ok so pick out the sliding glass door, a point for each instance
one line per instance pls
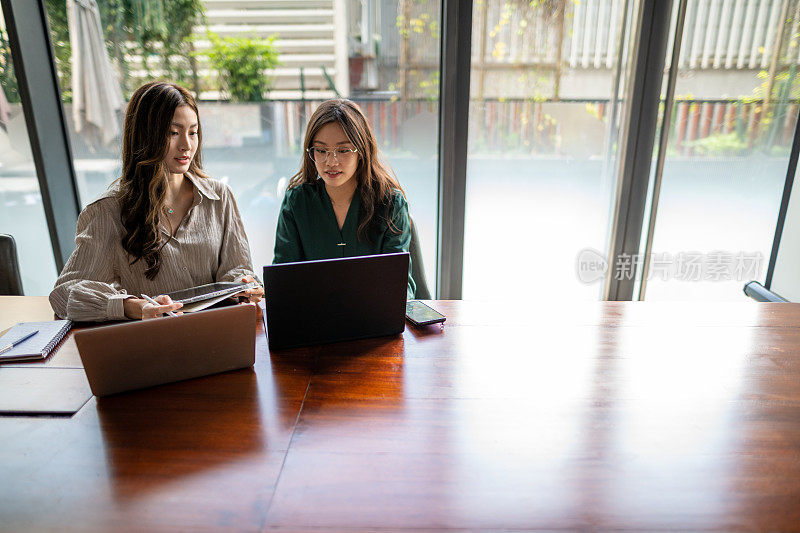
(546, 123)
(545, 112)
(730, 133)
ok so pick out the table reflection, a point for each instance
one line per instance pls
(212, 421)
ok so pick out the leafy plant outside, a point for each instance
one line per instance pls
(242, 64)
(720, 144)
(62, 51)
(156, 31)
(8, 80)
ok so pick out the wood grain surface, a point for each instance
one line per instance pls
(633, 416)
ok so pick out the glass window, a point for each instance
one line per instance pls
(21, 209)
(730, 135)
(260, 69)
(544, 117)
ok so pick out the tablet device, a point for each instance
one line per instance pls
(210, 290)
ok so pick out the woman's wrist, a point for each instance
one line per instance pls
(133, 308)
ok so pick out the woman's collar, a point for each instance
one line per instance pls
(203, 186)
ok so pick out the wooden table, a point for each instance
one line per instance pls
(636, 416)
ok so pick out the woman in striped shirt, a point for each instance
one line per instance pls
(163, 226)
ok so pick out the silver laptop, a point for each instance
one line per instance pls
(134, 355)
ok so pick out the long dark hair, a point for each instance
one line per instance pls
(375, 177)
(143, 184)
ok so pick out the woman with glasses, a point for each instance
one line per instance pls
(163, 226)
(344, 201)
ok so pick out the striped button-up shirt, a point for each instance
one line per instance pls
(209, 245)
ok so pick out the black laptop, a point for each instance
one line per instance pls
(332, 300)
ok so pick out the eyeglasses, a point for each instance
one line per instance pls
(340, 155)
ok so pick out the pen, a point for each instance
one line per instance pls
(146, 297)
(25, 337)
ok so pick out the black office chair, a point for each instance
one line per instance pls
(417, 268)
(10, 281)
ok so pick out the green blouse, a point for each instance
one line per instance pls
(307, 228)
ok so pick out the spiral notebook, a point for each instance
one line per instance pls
(37, 347)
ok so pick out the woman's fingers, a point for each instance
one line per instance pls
(166, 305)
(252, 295)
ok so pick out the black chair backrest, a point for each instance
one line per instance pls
(417, 268)
(10, 281)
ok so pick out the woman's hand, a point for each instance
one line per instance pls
(136, 308)
(251, 295)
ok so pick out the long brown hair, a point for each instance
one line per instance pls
(376, 179)
(143, 184)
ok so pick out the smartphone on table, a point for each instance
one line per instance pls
(420, 314)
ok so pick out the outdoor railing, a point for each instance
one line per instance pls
(522, 127)
(722, 127)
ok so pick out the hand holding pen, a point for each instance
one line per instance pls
(158, 308)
